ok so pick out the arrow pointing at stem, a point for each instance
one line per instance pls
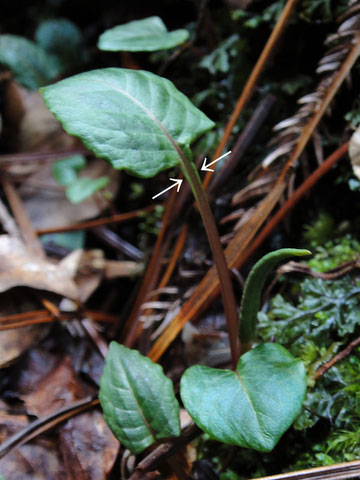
(205, 168)
(177, 184)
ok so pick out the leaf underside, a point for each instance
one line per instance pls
(147, 35)
(137, 399)
(251, 407)
(134, 119)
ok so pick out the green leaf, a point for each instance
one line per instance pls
(65, 170)
(64, 39)
(137, 399)
(134, 119)
(255, 282)
(68, 240)
(82, 188)
(30, 65)
(147, 35)
(251, 407)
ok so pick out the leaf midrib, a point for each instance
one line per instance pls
(131, 390)
(149, 114)
(250, 403)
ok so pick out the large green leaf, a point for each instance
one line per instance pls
(145, 35)
(255, 282)
(134, 119)
(137, 399)
(251, 407)
(30, 65)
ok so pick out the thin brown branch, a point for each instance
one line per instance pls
(132, 325)
(45, 423)
(31, 157)
(35, 317)
(338, 471)
(118, 218)
(27, 230)
(337, 358)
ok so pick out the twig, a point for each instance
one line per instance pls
(151, 275)
(338, 471)
(292, 201)
(337, 358)
(253, 79)
(27, 230)
(8, 222)
(247, 135)
(118, 218)
(21, 320)
(44, 424)
(164, 451)
(31, 157)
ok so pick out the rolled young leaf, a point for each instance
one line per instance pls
(251, 407)
(134, 119)
(147, 35)
(137, 399)
(254, 284)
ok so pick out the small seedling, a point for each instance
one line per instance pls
(141, 123)
(255, 404)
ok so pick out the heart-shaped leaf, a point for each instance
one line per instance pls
(147, 35)
(251, 407)
(137, 399)
(134, 119)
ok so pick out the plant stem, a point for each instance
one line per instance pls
(227, 292)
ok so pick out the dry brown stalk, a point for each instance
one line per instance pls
(339, 471)
(117, 218)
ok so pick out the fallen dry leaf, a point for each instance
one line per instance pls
(14, 343)
(46, 204)
(89, 448)
(19, 267)
(56, 389)
(38, 460)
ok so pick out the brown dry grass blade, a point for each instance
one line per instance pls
(209, 286)
(253, 79)
(151, 276)
(338, 471)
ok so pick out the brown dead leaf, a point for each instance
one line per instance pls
(36, 365)
(56, 389)
(37, 129)
(46, 204)
(38, 460)
(14, 343)
(89, 448)
(19, 267)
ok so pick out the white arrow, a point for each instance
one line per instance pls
(205, 168)
(177, 184)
